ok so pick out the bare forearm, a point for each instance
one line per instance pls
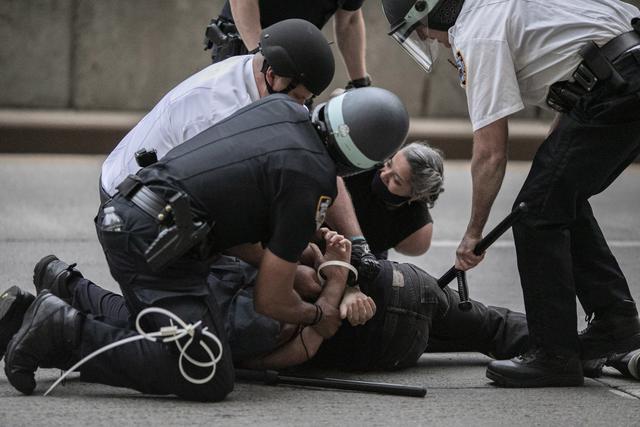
(488, 166)
(351, 37)
(246, 16)
(334, 287)
(300, 349)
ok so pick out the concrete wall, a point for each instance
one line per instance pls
(124, 55)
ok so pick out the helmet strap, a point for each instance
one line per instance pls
(291, 86)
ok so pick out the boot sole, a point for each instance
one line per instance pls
(22, 379)
(40, 268)
(544, 381)
(13, 302)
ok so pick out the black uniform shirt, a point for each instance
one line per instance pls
(382, 226)
(318, 12)
(263, 175)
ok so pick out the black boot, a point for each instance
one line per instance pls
(48, 337)
(14, 303)
(52, 274)
(537, 368)
(627, 363)
(612, 332)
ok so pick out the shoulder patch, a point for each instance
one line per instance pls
(321, 210)
(462, 69)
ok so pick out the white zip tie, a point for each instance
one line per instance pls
(336, 263)
(171, 334)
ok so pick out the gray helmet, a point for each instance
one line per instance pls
(405, 16)
(361, 128)
(297, 49)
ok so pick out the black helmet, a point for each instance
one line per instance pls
(297, 49)
(405, 16)
(362, 128)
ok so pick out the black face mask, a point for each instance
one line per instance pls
(379, 189)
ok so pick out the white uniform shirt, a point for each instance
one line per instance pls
(509, 52)
(194, 105)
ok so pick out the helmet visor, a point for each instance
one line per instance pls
(412, 33)
(421, 48)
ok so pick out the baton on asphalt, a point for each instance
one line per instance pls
(270, 377)
(488, 240)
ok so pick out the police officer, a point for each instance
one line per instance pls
(581, 58)
(293, 57)
(237, 29)
(161, 229)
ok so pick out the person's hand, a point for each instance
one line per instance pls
(356, 307)
(465, 258)
(362, 259)
(309, 256)
(306, 283)
(330, 322)
(337, 247)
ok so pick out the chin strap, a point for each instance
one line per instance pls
(171, 333)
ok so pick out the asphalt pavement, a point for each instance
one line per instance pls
(47, 205)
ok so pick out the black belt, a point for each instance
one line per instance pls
(598, 66)
(144, 198)
(619, 45)
(598, 62)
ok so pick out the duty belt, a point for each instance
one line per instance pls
(597, 66)
(178, 230)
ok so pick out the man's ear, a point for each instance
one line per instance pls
(270, 75)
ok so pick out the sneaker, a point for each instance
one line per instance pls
(536, 368)
(14, 302)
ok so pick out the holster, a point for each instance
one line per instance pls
(597, 67)
(179, 232)
(176, 239)
(223, 38)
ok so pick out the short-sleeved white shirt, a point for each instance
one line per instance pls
(509, 52)
(194, 105)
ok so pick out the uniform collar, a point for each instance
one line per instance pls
(249, 78)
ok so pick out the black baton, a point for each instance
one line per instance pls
(270, 377)
(488, 240)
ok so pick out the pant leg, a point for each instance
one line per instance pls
(600, 283)
(181, 287)
(152, 367)
(104, 305)
(585, 153)
(495, 331)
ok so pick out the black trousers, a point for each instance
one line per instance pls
(150, 367)
(414, 315)
(561, 250)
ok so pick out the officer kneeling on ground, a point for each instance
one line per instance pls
(160, 231)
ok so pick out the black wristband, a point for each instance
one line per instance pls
(361, 82)
(318, 316)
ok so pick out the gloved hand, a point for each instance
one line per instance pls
(362, 259)
(361, 82)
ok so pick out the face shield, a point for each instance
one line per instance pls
(412, 32)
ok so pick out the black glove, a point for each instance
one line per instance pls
(362, 82)
(363, 260)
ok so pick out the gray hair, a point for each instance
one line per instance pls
(427, 171)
